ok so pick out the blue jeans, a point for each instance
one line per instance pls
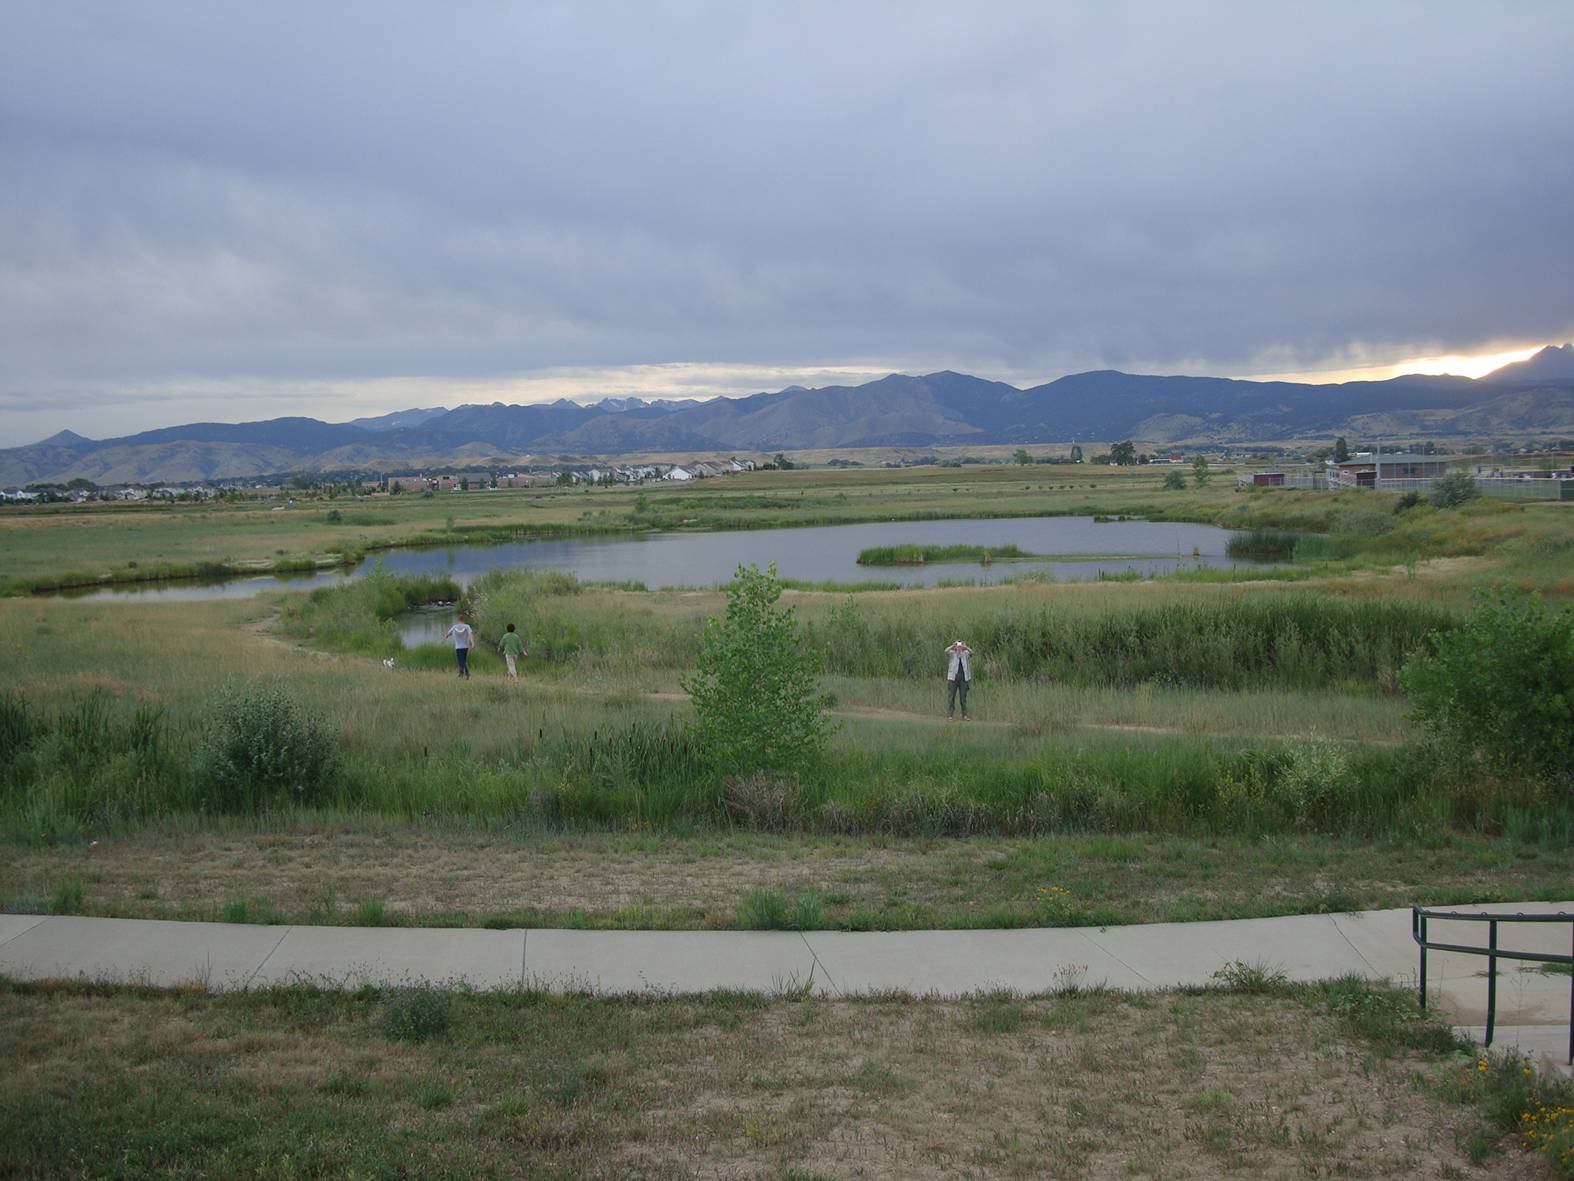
(462, 655)
(952, 690)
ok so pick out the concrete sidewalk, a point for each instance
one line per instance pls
(1533, 1007)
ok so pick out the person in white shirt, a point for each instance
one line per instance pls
(958, 677)
(463, 637)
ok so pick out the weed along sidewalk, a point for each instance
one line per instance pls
(1533, 1006)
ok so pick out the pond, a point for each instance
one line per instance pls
(825, 553)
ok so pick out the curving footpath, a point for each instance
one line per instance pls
(1533, 1006)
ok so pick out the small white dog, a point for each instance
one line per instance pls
(388, 663)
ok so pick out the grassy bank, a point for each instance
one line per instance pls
(292, 1082)
(327, 868)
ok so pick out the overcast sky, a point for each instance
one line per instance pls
(232, 211)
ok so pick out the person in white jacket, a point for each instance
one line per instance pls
(463, 637)
(958, 677)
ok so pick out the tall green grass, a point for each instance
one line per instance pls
(88, 760)
(548, 609)
(918, 555)
(1281, 640)
(1263, 545)
(1285, 640)
(92, 764)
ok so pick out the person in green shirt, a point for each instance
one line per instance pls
(512, 648)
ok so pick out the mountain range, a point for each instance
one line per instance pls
(1532, 397)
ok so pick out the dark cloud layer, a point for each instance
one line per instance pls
(353, 191)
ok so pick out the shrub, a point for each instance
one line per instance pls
(1174, 481)
(762, 910)
(1314, 776)
(1453, 490)
(1500, 688)
(1254, 978)
(763, 800)
(766, 910)
(259, 748)
(1408, 501)
(756, 692)
(69, 898)
(417, 1014)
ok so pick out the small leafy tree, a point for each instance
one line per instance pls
(1341, 450)
(756, 692)
(1021, 455)
(1499, 689)
(1124, 453)
(1453, 490)
(1200, 475)
(1174, 481)
(1076, 454)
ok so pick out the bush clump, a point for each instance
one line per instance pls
(763, 801)
(417, 1014)
(1453, 490)
(259, 749)
(1499, 690)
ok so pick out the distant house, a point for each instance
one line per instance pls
(678, 473)
(1369, 470)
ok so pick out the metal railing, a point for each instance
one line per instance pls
(1418, 920)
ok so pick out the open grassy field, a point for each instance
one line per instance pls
(1168, 748)
(1262, 1081)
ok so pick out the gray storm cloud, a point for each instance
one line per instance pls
(362, 191)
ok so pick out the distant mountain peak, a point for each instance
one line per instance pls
(1555, 362)
(65, 439)
(616, 405)
(398, 420)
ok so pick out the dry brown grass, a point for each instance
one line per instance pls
(1085, 1086)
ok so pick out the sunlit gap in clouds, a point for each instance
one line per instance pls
(1458, 364)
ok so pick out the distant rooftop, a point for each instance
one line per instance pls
(1400, 457)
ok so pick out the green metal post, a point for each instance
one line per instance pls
(1491, 978)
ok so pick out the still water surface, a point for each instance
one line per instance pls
(827, 553)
